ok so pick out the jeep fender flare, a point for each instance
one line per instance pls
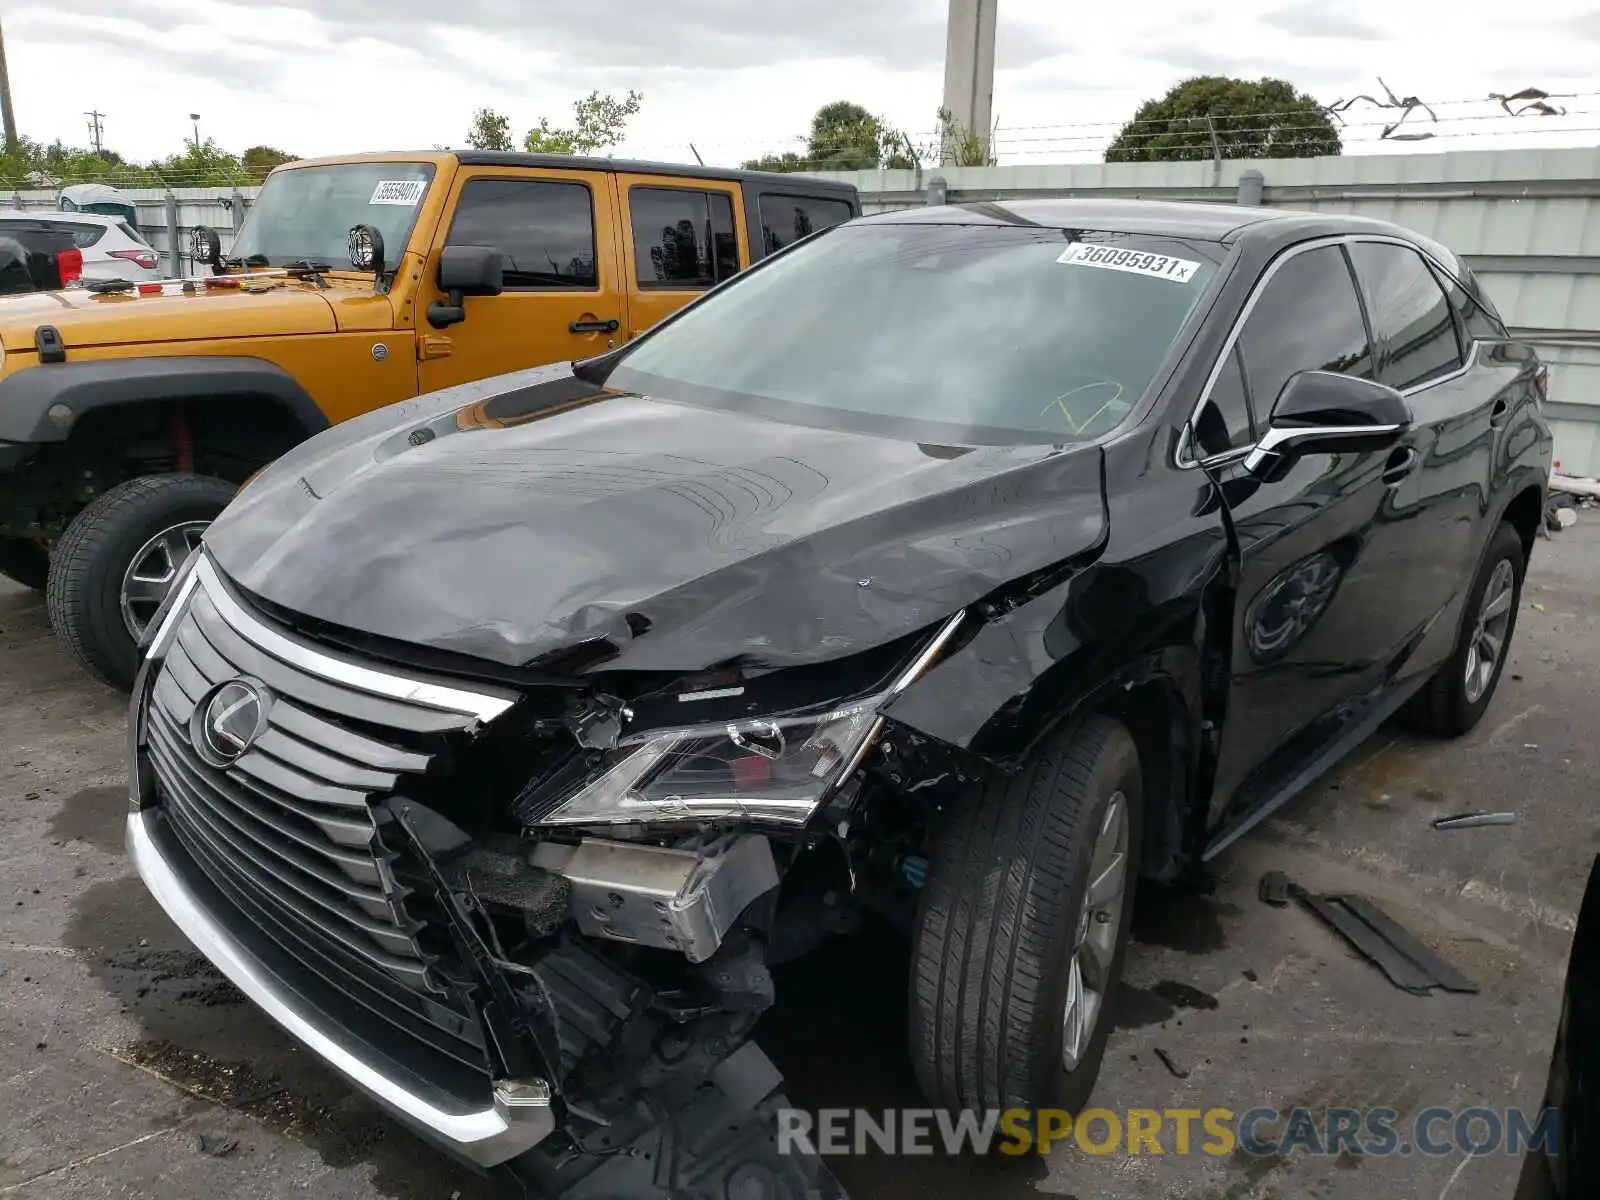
(28, 399)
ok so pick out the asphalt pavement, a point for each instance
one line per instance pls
(128, 1068)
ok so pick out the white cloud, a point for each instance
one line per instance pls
(329, 76)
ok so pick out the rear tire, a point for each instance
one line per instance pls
(1449, 705)
(24, 561)
(1003, 922)
(89, 571)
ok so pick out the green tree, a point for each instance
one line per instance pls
(785, 162)
(845, 137)
(598, 124)
(259, 160)
(490, 131)
(1262, 118)
(205, 165)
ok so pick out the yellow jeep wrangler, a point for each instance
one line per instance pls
(130, 413)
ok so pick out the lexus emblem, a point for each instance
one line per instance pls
(229, 722)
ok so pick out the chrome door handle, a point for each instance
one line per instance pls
(1400, 464)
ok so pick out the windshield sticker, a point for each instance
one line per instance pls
(405, 192)
(1157, 266)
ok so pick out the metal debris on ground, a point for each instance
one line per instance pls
(218, 1147)
(1384, 942)
(1171, 1063)
(1474, 820)
(1274, 889)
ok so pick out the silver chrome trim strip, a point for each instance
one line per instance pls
(486, 1137)
(180, 602)
(1267, 447)
(1182, 458)
(483, 705)
(929, 652)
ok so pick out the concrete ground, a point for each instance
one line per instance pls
(129, 1069)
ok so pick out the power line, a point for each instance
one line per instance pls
(96, 131)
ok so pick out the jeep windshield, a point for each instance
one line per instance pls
(936, 332)
(305, 214)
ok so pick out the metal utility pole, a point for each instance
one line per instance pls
(195, 117)
(969, 67)
(6, 114)
(96, 131)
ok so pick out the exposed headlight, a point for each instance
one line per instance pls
(774, 769)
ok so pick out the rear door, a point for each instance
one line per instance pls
(563, 296)
(680, 237)
(1438, 493)
(1318, 611)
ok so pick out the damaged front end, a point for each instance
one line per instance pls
(534, 922)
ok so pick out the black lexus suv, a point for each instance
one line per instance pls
(971, 564)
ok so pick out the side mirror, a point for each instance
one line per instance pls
(465, 271)
(1325, 412)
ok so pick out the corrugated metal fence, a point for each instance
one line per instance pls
(1528, 221)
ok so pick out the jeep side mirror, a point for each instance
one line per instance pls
(1325, 412)
(465, 271)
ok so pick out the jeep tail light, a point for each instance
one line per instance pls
(140, 258)
(69, 266)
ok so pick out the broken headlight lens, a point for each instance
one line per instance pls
(777, 769)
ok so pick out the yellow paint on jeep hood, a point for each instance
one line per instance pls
(285, 307)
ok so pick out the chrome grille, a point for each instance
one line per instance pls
(286, 832)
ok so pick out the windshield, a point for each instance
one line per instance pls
(305, 214)
(962, 333)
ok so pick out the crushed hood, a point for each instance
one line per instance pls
(283, 308)
(528, 514)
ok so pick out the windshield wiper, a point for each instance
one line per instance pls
(303, 269)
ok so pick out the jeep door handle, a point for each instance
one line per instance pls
(610, 326)
(1400, 464)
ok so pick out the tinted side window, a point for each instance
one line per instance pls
(83, 236)
(1410, 316)
(1306, 318)
(1475, 315)
(544, 230)
(1224, 423)
(682, 238)
(786, 219)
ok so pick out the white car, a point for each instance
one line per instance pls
(112, 249)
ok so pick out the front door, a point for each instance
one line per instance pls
(1322, 601)
(562, 296)
(681, 237)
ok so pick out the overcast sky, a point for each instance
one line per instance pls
(736, 78)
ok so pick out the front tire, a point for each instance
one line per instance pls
(116, 562)
(1024, 925)
(1455, 698)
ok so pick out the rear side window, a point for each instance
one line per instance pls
(83, 236)
(128, 231)
(543, 229)
(1474, 312)
(1306, 318)
(786, 219)
(682, 238)
(1411, 319)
